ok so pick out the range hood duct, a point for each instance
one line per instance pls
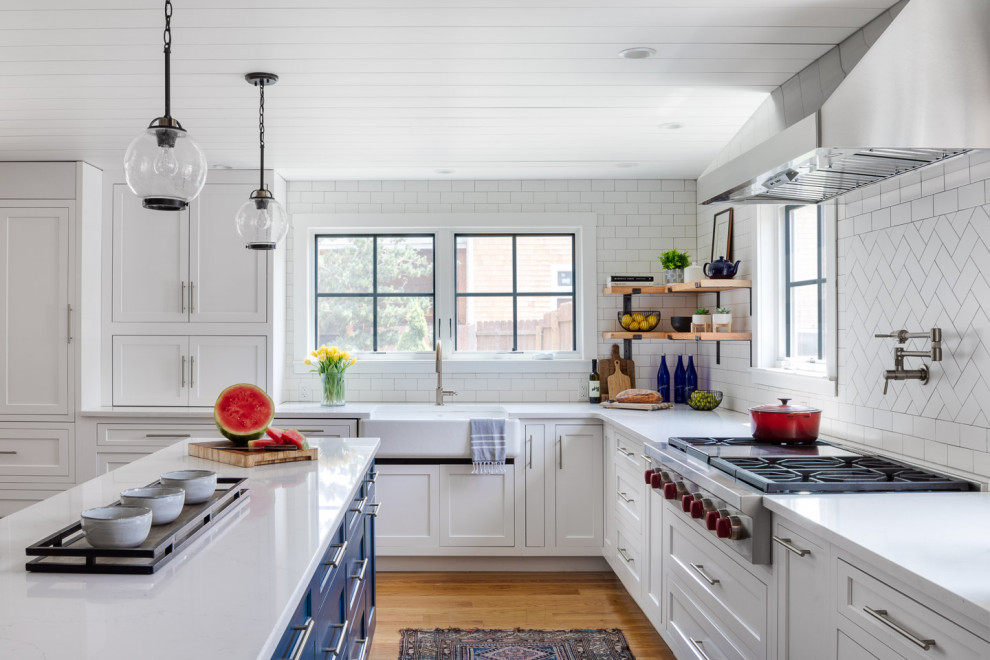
(921, 94)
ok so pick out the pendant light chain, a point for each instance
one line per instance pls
(261, 135)
(168, 58)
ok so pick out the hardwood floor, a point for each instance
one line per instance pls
(510, 600)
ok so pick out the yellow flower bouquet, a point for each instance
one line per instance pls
(331, 363)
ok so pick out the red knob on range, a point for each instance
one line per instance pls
(670, 490)
(656, 480)
(649, 476)
(697, 509)
(686, 503)
(723, 528)
(711, 518)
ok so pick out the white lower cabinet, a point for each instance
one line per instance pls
(476, 509)
(34, 453)
(690, 633)
(536, 496)
(336, 428)
(171, 370)
(652, 602)
(410, 511)
(576, 454)
(801, 570)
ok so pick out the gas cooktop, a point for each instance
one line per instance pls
(818, 467)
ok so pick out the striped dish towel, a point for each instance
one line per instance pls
(488, 446)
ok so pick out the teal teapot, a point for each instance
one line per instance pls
(722, 269)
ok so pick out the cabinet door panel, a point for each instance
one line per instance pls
(150, 371)
(150, 261)
(579, 485)
(32, 452)
(34, 289)
(535, 484)
(411, 516)
(228, 280)
(219, 361)
(802, 595)
(476, 509)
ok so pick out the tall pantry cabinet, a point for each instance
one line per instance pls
(43, 210)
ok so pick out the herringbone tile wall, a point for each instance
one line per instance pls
(912, 253)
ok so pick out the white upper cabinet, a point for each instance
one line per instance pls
(185, 266)
(34, 311)
(227, 280)
(216, 362)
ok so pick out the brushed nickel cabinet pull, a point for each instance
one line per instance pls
(68, 324)
(530, 452)
(699, 568)
(310, 430)
(787, 544)
(192, 369)
(339, 646)
(299, 646)
(646, 458)
(364, 649)
(360, 574)
(881, 616)
(182, 371)
(192, 298)
(167, 435)
(622, 450)
(8, 452)
(625, 498)
(622, 553)
(360, 505)
(372, 478)
(699, 645)
(560, 439)
(377, 511)
(338, 556)
(182, 299)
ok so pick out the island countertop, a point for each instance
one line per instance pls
(229, 594)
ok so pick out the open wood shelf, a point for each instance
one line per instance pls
(701, 286)
(681, 336)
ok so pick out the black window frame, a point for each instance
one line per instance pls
(818, 282)
(374, 295)
(515, 293)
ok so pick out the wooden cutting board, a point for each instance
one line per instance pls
(606, 368)
(637, 406)
(618, 381)
(224, 451)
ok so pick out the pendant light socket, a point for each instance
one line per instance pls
(258, 78)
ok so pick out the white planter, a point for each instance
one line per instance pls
(701, 319)
(721, 320)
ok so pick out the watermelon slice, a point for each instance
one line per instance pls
(261, 443)
(275, 434)
(295, 437)
(243, 412)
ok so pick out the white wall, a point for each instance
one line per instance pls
(637, 220)
(912, 253)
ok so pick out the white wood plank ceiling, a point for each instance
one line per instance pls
(403, 88)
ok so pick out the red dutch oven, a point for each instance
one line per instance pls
(785, 424)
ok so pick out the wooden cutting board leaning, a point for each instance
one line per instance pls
(606, 368)
(618, 381)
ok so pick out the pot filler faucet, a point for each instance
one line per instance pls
(899, 372)
(441, 393)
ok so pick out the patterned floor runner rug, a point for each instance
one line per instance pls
(457, 644)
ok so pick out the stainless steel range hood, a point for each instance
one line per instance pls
(920, 94)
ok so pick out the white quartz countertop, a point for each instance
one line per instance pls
(229, 595)
(939, 543)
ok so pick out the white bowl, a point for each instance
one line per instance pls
(198, 484)
(116, 526)
(165, 503)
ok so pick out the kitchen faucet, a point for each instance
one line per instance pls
(899, 372)
(441, 393)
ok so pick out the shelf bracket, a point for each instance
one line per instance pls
(627, 309)
(718, 352)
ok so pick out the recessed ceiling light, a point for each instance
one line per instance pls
(637, 53)
(444, 171)
(627, 164)
(671, 126)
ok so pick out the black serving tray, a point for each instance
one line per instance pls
(67, 551)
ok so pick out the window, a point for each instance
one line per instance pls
(804, 285)
(375, 292)
(514, 292)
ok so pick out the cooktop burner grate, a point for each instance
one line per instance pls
(847, 475)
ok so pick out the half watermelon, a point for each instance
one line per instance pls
(243, 412)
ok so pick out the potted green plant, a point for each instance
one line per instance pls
(722, 317)
(701, 318)
(674, 262)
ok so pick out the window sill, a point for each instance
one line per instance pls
(461, 366)
(786, 379)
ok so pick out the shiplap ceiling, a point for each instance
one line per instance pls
(402, 88)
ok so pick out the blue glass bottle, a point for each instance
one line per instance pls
(690, 379)
(663, 379)
(679, 377)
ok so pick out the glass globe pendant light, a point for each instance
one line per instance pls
(261, 221)
(163, 165)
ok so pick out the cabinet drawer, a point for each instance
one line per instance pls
(628, 500)
(34, 453)
(297, 639)
(331, 567)
(151, 435)
(338, 428)
(695, 633)
(628, 455)
(902, 623)
(730, 594)
(629, 559)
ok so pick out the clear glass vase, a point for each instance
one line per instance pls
(333, 388)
